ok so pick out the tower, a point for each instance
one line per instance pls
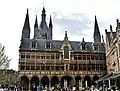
(43, 31)
(26, 27)
(96, 36)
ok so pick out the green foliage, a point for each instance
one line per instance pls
(3, 77)
(4, 61)
(4, 64)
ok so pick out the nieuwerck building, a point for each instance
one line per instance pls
(44, 61)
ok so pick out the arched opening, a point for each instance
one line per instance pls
(78, 81)
(34, 82)
(87, 81)
(94, 79)
(45, 81)
(54, 81)
(24, 83)
(68, 80)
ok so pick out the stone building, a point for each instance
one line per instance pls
(44, 61)
(113, 52)
(113, 49)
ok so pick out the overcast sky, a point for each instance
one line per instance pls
(75, 16)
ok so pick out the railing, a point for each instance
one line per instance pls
(62, 72)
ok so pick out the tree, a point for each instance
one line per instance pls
(4, 61)
(4, 65)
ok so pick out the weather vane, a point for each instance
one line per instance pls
(43, 2)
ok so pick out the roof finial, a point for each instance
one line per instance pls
(103, 39)
(111, 28)
(117, 21)
(65, 33)
(83, 40)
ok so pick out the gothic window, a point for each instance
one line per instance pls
(66, 52)
(57, 56)
(75, 67)
(52, 56)
(84, 57)
(22, 55)
(47, 56)
(75, 57)
(47, 45)
(34, 44)
(28, 56)
(96, 48)
(88, 57)
(92, 57)
(71, 66)
(79, 57)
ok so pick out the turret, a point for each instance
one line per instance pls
(26, 27)
(43, 24)
(97, 36)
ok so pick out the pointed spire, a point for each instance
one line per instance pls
(26, 23)
(103, 39)
(96, 27)
(26, 27)
(50, 23)
(97, 36)
(36, 23)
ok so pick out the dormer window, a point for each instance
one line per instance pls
(48, 45)
(96, 48)
(34, 44)
(66, 52)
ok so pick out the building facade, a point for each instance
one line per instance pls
(113, 49)
(47, 62)
(113, 53)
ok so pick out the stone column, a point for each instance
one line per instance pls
(29, 85)
(39, 83)
(109, 83)
(59, 83)
(50, 83)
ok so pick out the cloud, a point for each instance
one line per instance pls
(76, 23)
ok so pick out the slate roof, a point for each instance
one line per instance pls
(56, 45)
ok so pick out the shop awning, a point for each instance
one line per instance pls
(104, 78)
